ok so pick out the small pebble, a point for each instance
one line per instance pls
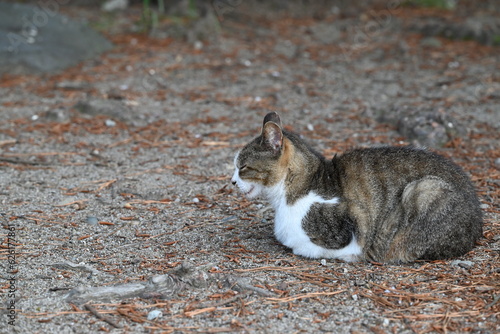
(198, 45)
(463, 264)
(229, 219)
(92, 220)
(110, 123)
(196, 200)
(114, 5)
(154, 314)
(431, 42)
(158, 279)
(79, 206)
(55, 114)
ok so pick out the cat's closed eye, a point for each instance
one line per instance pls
(249, 169)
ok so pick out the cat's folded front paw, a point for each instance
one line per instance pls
(310, 250)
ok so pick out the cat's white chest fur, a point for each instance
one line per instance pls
(288, 226)
(288, 221)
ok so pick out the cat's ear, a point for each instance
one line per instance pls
(272, 136)
(272, 117)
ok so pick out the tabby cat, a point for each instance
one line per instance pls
(384, 204)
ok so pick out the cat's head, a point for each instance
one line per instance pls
(262, 163)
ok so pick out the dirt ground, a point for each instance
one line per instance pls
(115, 195)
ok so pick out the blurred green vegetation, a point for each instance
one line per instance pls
(441, 4)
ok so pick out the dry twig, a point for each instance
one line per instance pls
(101, 316)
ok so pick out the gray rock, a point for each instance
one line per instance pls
(114, 5)
(286, 48)
(481, 28)
(154, 314)
(67, 265)
(73, 85)
(56, 115)
(429, 128)
(112, 108)
(92, 220)
(423, 130)
(327, 33)
(202, 26)
(431, 42)
(110, 123)
(37, 39)
(392, 89)
(463, 264)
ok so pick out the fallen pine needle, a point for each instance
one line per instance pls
(7, 142)
(215, 143)
(103, 317)
(41, 220)
(105, 185)
(39, 154)
(273, 268)
(121, 142)
(80, 204)
(139, 201)
(106, 223)
(302, 296)
(438, 315)
(200, 311)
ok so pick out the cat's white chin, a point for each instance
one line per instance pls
(254, 191)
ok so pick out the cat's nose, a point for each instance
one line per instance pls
(233, 182)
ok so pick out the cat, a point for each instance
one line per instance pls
(383, 204)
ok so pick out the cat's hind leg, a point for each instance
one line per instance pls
(421, 195)
(440, 222)
(437, 221)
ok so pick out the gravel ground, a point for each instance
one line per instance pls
(117, 171)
